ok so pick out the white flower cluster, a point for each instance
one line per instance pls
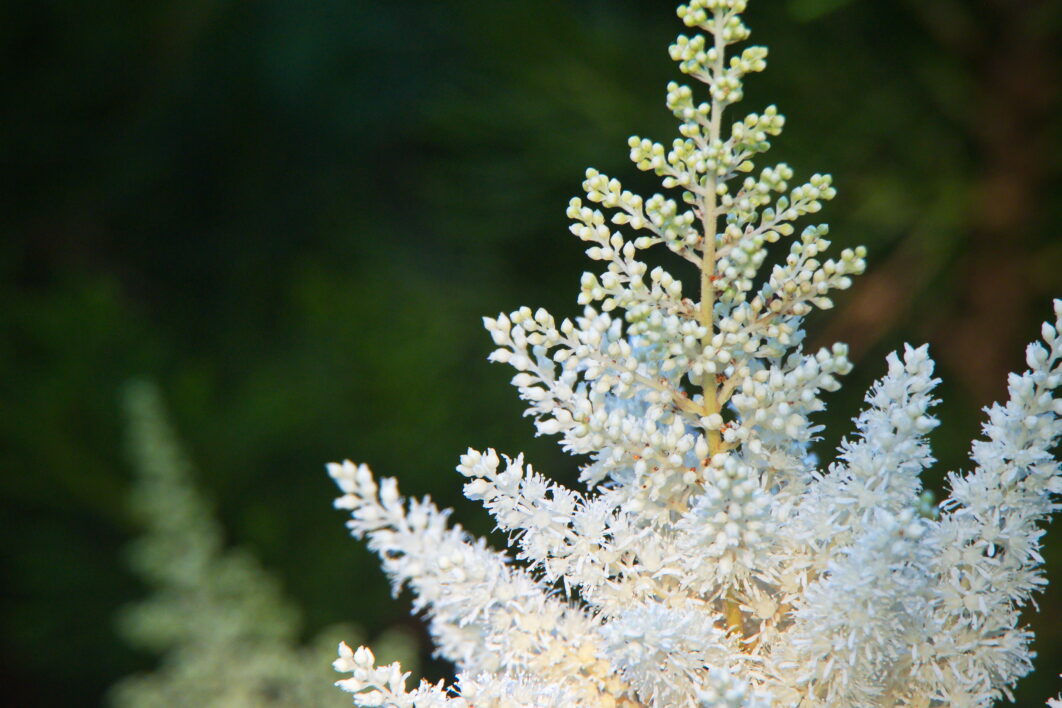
(710, 562)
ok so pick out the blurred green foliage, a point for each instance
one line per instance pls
(226, 634)
(292, 214)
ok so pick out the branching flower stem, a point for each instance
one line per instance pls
(709, 222)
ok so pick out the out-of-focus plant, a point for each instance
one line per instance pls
(227, 635)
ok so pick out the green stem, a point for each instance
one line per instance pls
(709, 224)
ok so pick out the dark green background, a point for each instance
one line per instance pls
(292, 213)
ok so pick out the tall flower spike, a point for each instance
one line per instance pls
(710, 562)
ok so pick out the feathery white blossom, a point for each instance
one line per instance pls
(710, 561)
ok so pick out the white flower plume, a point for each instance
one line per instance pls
(709, 561)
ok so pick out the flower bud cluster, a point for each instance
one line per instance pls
(742, 208)
(776, 402)
(657, 215)
(729, 524)
(701, 162)
(720, 18)
(749, 137)
(727, 86)
(691, 164)
(694, 117)
(804, 281)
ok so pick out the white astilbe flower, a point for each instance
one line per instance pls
(877, 471)
(724, 690)
(854, 625)
(582, 542)
(555, 527)
(722, 538)
(989, 539)
(386, 685)
(486, 616)
(711, 561)
(663, 652)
